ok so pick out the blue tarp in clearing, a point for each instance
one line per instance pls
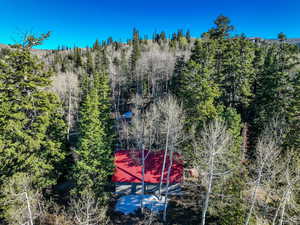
(127, 115)
(130, 203)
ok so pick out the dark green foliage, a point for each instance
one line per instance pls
(104, 60)
(89, 64)
(110, 41)
(173, 41)
(222, 29)
(274, 85)
(188, 36)
(96, 45)
(160, 38)
(199, 93)
(293, 136)
(94, 161)
(63, 65)
(100, 62)
(78, 58)
(234, 125)
(136, 51)
(30, 40)
(105, 106)
(94, 150)
(198, 87)
(235, 73)
(179, 34)
(163, 36)
(198, 90)
(281, 36)
(32, 130)
(233, 207)
(177, 77)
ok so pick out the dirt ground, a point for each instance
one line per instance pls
(182, 210)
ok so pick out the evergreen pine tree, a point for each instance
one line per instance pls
(235, 73)
(32, 130)
(198, 90)
(78, 58)
(200, 93)
(293, 136)
(89, 64)
(94, 162)
(163, 36)
(281, 37)
(176, 81)
(105, 107)
(274, 86)
(188, 36)
(222, 28)
(136, 52)
(104, 60)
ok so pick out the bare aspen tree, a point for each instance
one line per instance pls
(172, 128)
(145, 130)
(213, 155)
(157, 67)
(117, 80)
(162, 122)
(137, 131)
(72, 100)
(124, 134)
(87, 210)
(66, 85)
(141, 130)
(152, 131)
(267, 152)
(291, 178)
(23, 203)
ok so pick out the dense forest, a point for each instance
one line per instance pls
(230, 105)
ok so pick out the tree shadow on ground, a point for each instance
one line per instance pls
(184, 209)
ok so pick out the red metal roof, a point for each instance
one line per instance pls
(128, 167)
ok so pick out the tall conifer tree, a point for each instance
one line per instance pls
(94, 161)
(32, 130)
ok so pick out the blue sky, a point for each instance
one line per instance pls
(79, 22)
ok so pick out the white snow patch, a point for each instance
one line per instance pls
(130, 203)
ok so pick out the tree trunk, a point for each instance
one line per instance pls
(211, 170)
(283, 208)
(164, 162)
(69, 115)
(253, 197)
(281, 205)
(168, 183)
(276, 215)
(29, 209)
(143, 178)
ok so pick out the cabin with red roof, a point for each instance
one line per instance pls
(128, 172)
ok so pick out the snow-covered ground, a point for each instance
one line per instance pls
(129, 203)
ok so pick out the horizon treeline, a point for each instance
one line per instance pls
(229, 105)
